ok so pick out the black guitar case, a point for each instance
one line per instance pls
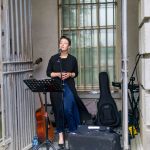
(107, 114)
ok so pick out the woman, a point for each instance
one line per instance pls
(64, 68)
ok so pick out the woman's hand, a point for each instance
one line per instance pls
(66, 75)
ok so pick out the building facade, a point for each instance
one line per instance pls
(30, 29)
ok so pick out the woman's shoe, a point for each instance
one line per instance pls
(61, 146)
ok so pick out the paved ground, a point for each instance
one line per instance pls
(53, 146)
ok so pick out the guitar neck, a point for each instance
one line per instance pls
(40, 99)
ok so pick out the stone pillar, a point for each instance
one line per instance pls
(144, 49)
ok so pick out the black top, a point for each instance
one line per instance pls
(69, 64)
(57, 64)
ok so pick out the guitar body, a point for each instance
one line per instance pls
(41, 124)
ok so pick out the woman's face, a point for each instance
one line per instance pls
(64, 45)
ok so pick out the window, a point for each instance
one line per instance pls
(91, 26)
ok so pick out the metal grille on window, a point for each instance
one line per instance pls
(91, 26)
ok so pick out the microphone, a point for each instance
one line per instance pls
(37, 61)
(59, 51)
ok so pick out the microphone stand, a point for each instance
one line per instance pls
(62, 102)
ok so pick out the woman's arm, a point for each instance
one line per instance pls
(75, 69)
(55, 74)
(49, 68)
(50, 72)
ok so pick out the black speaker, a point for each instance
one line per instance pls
(93, 138)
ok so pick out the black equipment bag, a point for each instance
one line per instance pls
(107, 112)
(94, 138)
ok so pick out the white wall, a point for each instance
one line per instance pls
(132, 34)
(44, 32)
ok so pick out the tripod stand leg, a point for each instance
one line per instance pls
(46, 145)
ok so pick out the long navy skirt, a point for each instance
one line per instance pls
(71, 113)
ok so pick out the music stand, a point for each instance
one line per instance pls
(45, 85)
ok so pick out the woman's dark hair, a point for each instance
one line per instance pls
(65, 37)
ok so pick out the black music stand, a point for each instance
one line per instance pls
(46, 85)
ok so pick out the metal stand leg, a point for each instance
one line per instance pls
(47, 142)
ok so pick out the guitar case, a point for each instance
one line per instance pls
(107, 112)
